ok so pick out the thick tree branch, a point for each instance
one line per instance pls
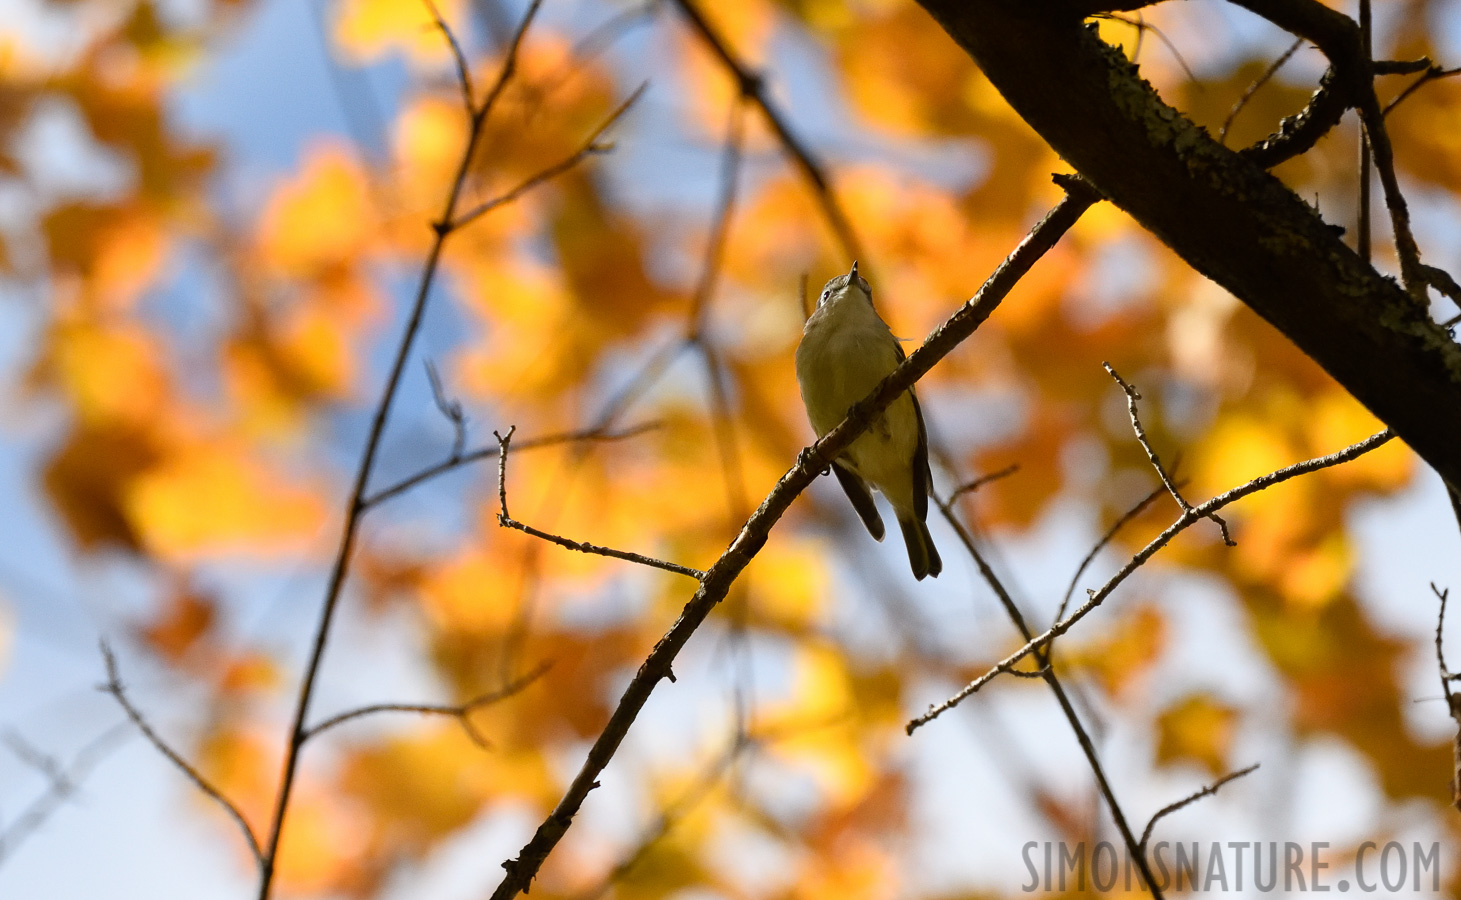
(1224, 215)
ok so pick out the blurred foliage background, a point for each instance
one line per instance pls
(213, 214)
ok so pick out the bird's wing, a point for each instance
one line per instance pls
(862, 500)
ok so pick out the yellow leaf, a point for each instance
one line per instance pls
(213, 498)
(1197, 729)
(369, 29)
(323, 218)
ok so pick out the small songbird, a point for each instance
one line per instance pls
(846, 349)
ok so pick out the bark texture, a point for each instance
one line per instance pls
(1222, 213)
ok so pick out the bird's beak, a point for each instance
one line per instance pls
(852, 276)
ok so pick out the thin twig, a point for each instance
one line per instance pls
(461, 711)
(981, 481)
(730, 174)
(1431, 74)
(719, 578)
(62, 783)
(1412, 276)
(1191, 799)
(115, 687)
(590, 147)
(1446, 676)
(1362, 240)
(1185, 521)
(1101, 545)
(464, 71)
(355, 508)
(1142, 25)
(673, 814)
(1263, 79)
(451, 410)
(1046, 671)
(597, 434)
(1133, 395)
(507, 521)
(752, 86)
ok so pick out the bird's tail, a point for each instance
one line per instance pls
(922, 554)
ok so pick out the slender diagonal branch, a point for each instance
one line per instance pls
(115, 687)
(1259, 82)
(1185, 521)
(1133, 395)
(589, 147)
(442, 228)
(1046, 672)
(753, 87)
(719, 578)
(1100, 545)
(63, 781)
(1191, 799)
(507, 521)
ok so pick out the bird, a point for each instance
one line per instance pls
(845, 350)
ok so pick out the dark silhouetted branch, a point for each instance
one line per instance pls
(507, 521)
(1133, 395)
(1187, 519)
(719, 578)
(753, 87)
(115, 687)
(462, 712)
(1191, 799)
(589, 147)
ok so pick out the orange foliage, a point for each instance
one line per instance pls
(219, 454)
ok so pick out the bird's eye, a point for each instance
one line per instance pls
(823, 299)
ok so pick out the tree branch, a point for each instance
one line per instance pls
(753, 87)
(115, 687)
(461, 711)
(718, 579)
(1191, 799)
(507, 521)
(1186, 520)
(1224, 215)
(1132, 395)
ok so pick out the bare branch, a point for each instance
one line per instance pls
(462, 712)
(730, 172)
(753, 87)
(62, 782)
(509, 67)
(1446, 676)
(1101, 544)
(719, 578)
(1263, 79)
(115, 687)
(981, 481)
(1133, 395)
(1045, 671)
(450, 408)
(1191, 799)
(597, 434)
(507, 521)
(464, 71)
(590, 147)
(355, 508)
(1187, 519)
(1299, 133)
(1431, 74)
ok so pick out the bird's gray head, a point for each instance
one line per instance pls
(840, 285)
